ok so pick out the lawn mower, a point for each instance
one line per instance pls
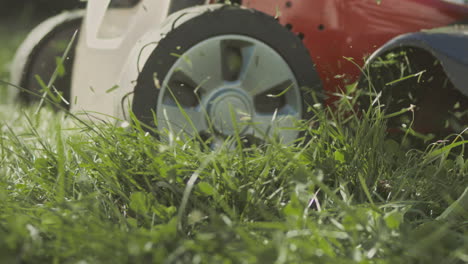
(252, 67)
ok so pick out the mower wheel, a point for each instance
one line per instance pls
(411, 81)
(223, 70)
(38, 54)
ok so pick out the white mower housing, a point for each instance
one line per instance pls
(106, 40)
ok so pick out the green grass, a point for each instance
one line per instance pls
(77, 193)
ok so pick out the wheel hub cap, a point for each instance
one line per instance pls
(228, 110)
(230, 84)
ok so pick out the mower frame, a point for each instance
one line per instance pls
(342, 37)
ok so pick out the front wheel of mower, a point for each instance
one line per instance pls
(223, 70)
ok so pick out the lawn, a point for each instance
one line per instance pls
(74, 192)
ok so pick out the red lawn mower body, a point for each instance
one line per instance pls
(340, 35)
(335, 29)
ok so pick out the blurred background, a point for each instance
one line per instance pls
(35, 9)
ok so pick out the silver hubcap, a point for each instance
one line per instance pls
(228, 109)
(230, 84)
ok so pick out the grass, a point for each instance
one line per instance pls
(78, 193)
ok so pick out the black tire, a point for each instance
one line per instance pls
(37, 56)
(437, 107)
(188, 27)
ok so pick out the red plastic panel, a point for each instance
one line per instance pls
(334, 29)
